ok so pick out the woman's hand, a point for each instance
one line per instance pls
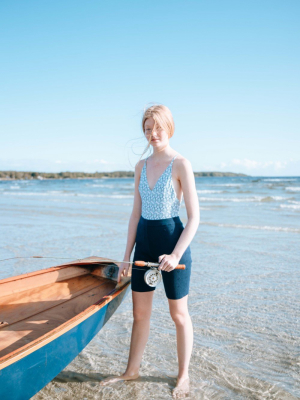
(123, 270)
(168, 262)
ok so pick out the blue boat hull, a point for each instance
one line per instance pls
(24, 378)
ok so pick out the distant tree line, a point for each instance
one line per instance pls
(17, 175)
(64, 175)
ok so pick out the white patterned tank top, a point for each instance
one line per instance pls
(161, 202)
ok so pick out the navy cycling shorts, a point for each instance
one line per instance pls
(153, 239)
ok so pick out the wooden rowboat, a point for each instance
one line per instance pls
(48, 316)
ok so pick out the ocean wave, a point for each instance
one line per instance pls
(100, 185)
(130, 195)
(107, 196)
(26, 193)
(112, 186)
(274, 198)
(227, 184)
(210, 191)
(262, 199)
(293, 189)
(257, 227)
(291, 206)
(278, 179)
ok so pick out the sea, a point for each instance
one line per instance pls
(244, 295)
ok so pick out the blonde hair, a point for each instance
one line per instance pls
(162, 117)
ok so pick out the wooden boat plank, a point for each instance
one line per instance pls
(31, 328)
(40, 278)
(16, 307)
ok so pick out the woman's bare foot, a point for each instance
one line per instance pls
(114, 379)
(182, 388)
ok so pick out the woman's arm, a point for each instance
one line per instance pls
(133, 221)
(188, 185)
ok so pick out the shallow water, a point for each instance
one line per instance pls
(243, 301)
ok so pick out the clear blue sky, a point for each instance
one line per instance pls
(76, 76)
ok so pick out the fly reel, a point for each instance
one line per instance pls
(153, 276)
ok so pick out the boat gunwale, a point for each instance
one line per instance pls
(84, 262)
(29, 348)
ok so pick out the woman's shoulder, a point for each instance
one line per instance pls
(139, 165)
(182, 165)
(180, 160)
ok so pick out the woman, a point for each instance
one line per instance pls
(158, 233)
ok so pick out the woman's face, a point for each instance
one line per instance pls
(156, 134)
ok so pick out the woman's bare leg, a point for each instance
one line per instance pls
(184, 332)
(142, 307)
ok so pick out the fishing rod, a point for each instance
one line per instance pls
(137, 263)
(152, 276)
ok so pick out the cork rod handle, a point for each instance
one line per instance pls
(144, 264)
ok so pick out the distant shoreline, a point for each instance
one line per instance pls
(20, 175)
